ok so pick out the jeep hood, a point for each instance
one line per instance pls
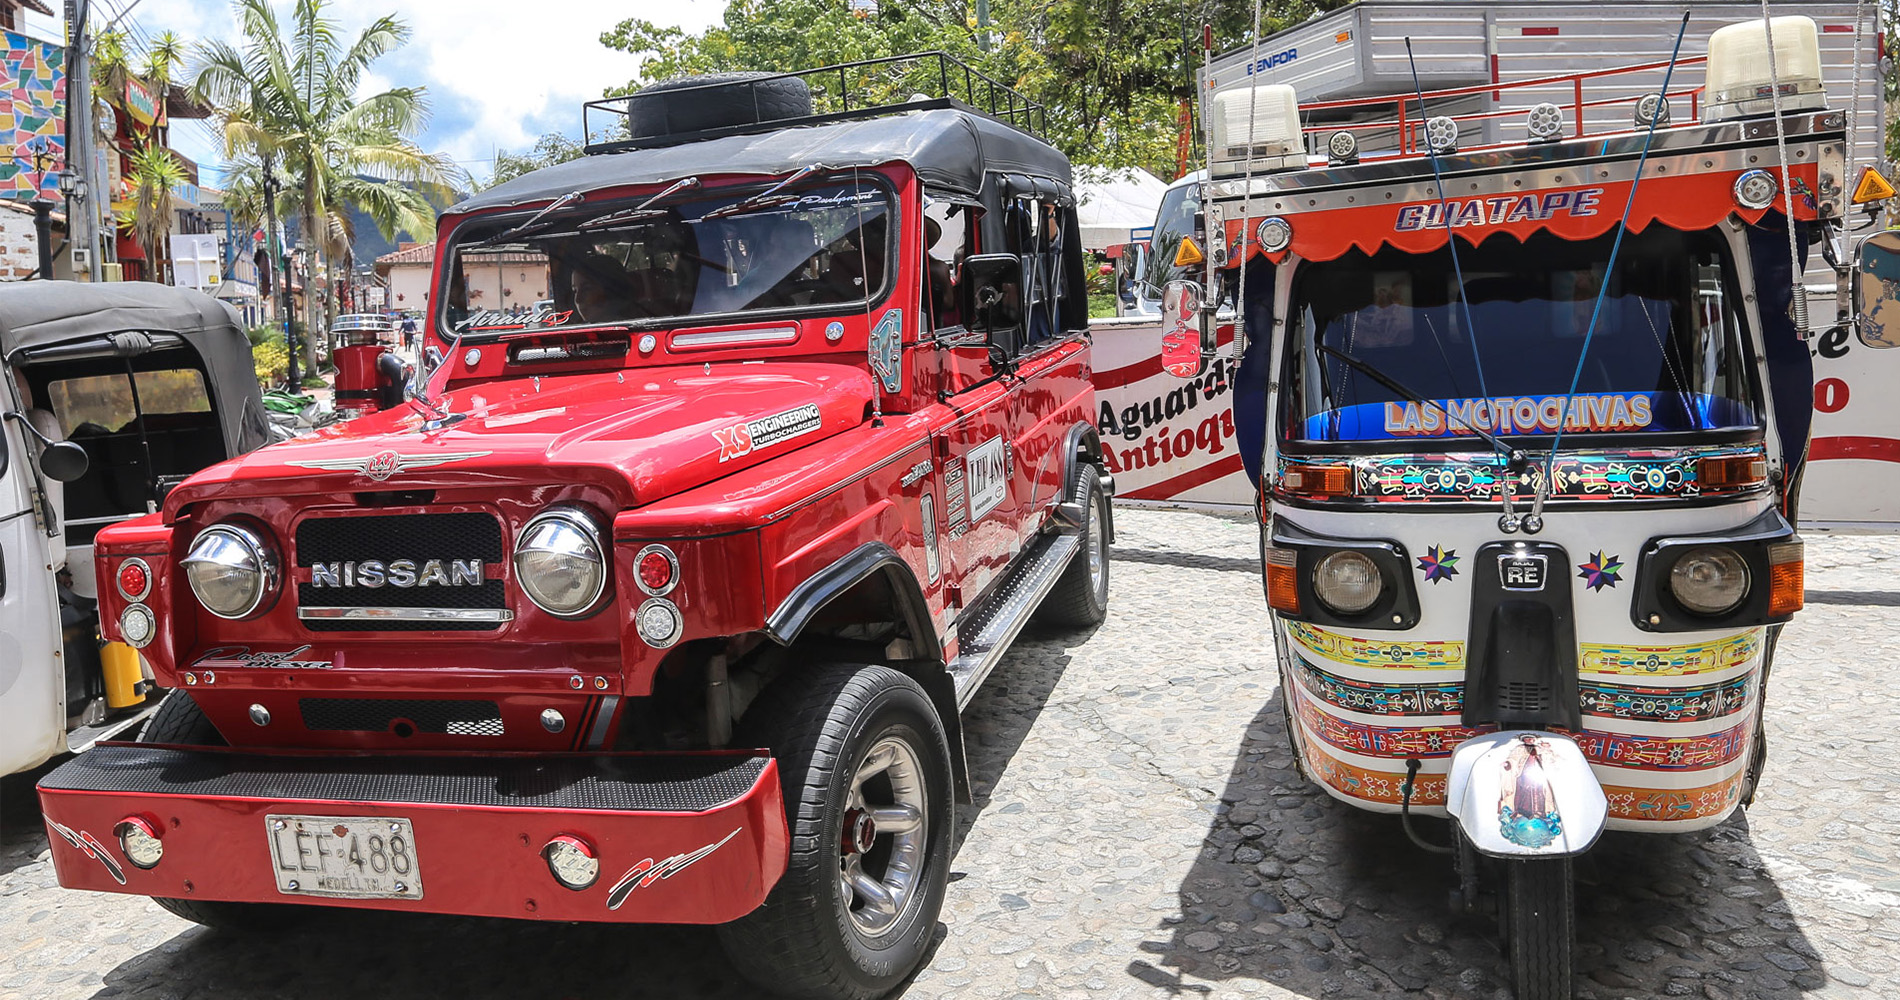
(642, 434)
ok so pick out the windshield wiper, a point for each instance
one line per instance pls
(764, 197)
(570, 198)
(1516, 457)
(644, 209)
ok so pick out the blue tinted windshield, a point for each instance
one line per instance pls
(1666, 355)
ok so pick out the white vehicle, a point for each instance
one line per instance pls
(110, 394)
(1171, 447)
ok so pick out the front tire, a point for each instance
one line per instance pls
(1540, 926)
(180, 721)
(1080, 596)
(865, 767)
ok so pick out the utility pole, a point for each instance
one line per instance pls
(983, 25)
(82, 220)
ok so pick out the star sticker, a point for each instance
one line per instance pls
(1601, 571)
(1439, 564)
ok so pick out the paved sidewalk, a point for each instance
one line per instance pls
(1139, 832)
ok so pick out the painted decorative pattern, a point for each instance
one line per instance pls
(1672, 661)
(1668, 473)
(1384, 654)
(1377, 698)
(1652, 804)
(1652, 704)
(1643, 753)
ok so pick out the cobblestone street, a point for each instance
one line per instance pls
(1139, 831)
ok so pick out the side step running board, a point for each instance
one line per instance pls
(984, 636)
(81, 740)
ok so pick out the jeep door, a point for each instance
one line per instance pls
(32, 684)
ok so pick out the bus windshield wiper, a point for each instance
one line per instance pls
(766, 196)
(570, 198)
(1514, 456)
(645, 208)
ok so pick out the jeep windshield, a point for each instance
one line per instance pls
(732, 253)
(1667, 355)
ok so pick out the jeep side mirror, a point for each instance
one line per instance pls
(60, 461)
(1874, 281)
(1187, 329)
(63, 461)
(993, 294)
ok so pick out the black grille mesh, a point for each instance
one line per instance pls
(644, 783)
(378, 715)
(387, 538)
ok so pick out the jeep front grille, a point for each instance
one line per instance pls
(401, 573)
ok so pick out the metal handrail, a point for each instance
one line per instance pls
(1408, 126)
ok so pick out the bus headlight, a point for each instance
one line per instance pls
(561, 563)
(232, 570)
(1347, 582)
(1710, 580)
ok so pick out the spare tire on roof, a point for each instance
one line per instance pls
(715, 100)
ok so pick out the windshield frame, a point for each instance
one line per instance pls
(1738, 305)
(592, 207)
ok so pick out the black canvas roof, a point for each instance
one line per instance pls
(956, 152)
(35, 315)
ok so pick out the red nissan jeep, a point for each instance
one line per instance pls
(661, 603)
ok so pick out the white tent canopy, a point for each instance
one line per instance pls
(1110, 203)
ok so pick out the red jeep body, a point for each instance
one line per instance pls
(801, 500)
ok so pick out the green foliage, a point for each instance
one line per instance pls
(270, 356)
(154, 174)
(550, 149)
(1112, 73)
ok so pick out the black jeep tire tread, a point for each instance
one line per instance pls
(1074, 602)
(179, 720)
(657, 111)
(817, 721)
(1540, 918)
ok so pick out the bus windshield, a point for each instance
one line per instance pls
(1667, 354)
(631, 263)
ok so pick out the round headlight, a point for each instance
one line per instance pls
(231, 570)
(138, 841)
(571, 862)
(1756, 189)
(1710, 580)
(561, 563)
(137, 626)
(1347, 582)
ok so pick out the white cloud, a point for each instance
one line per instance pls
(499, 72)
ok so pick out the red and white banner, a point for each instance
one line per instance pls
(1167, 440)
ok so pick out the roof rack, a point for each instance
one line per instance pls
(867, 88)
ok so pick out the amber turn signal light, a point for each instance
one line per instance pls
(1283, 581)
(1787, 578)
(1731, 472)
(1318, 480)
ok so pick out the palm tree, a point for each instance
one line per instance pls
(288, 99)
(155, 173)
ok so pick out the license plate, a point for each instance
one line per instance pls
(344, 857)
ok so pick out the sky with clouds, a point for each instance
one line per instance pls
(499, 73)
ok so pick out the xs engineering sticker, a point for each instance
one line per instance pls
(740, 440)
(1521, 415)
(989, 477)
(649, 871)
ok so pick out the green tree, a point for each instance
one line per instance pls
(287, 95)
(552, 148)
(1112, 73)
(153, 175)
